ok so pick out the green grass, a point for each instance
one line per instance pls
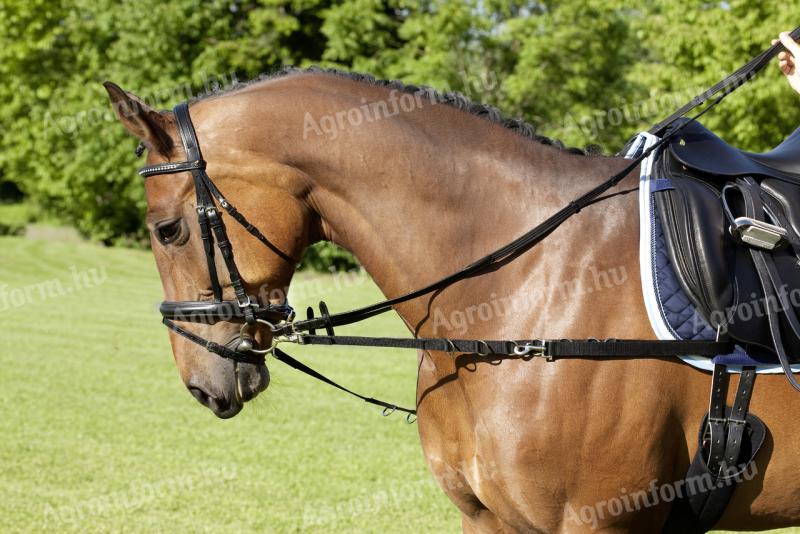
(98, 434)
(14, 217)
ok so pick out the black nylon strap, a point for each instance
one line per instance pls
(634, 348)
(303, 368)
(551, 349)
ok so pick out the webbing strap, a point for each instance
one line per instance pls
(550, 349)
(300, 366)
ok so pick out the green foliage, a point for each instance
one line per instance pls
(588, 72)
(756, 117)
(327, 257)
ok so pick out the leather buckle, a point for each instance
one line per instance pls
(758, 233)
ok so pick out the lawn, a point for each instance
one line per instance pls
(99, 434)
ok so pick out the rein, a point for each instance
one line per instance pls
(279, 318)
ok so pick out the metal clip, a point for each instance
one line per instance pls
(536, 350)
(247, 343)
(758, 233)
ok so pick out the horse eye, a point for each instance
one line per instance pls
(168, 232)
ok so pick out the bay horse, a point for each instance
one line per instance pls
(416, 185)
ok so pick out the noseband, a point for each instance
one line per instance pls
(212, 230)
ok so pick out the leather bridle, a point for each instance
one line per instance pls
(215, 236)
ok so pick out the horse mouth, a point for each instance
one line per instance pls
(242, 382)
(249, 380)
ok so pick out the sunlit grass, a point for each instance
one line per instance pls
(99, 434)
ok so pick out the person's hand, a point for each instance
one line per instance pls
(787, 60)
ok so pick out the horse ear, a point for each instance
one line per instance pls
(140, 119)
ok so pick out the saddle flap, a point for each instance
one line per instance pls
(785, 157)
(717, 273)
(693, 220)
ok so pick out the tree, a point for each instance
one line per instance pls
(691, 46)
(585, 71)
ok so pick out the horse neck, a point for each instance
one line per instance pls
(422, 194)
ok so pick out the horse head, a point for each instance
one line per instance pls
(258, 183)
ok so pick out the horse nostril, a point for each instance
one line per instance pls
(221, 407)
(200, 395)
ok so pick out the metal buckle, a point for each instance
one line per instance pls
(539, 350)
(758, 233)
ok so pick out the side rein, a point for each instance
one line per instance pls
(280, 318)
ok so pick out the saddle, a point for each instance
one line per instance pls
(731, 221)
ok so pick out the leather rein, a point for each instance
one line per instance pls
(279, 318)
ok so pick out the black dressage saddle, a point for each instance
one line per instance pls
(731, 220)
